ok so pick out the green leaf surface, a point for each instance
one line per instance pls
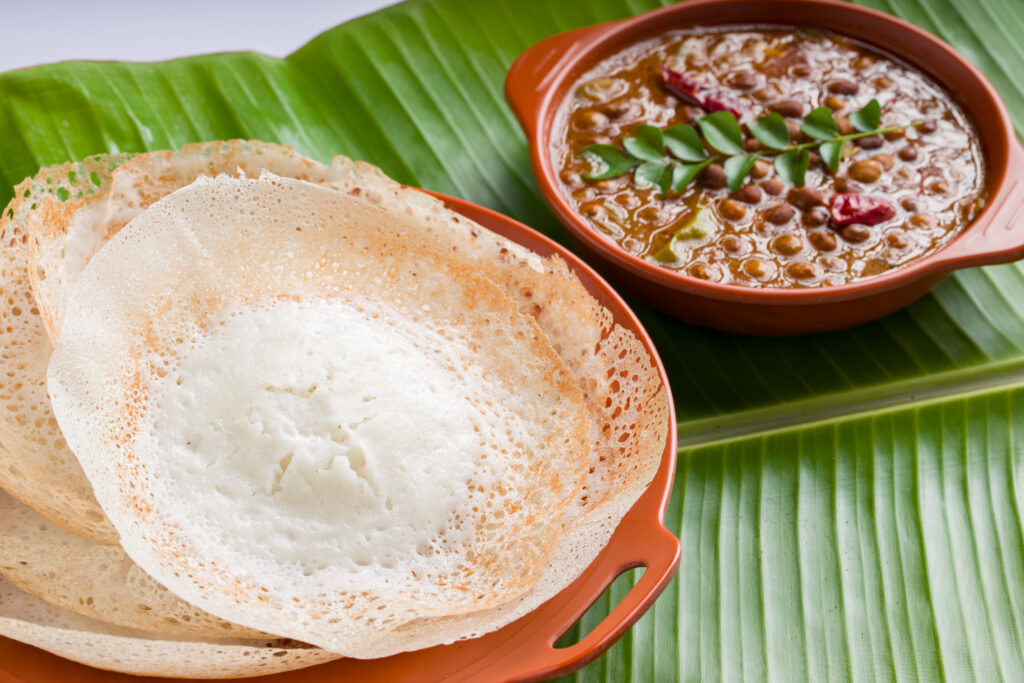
(684, 142)
(867, 119)
(736, 170)
(610, 161)
(792, 166)
(683, 174)
(849, 503)
(722, 131)
(656, 173)
(646, 143)
(771, 131)
(819, 124)
(832, 153)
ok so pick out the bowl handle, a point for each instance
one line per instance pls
(1001, 238)
(529, 80)
(657, 550)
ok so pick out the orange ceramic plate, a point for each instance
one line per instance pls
(524, 650)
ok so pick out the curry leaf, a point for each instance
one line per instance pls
(771, 131)
(867, 119)
(722, 131)
(646, 143)
(684, 142)
(832, 153)
(737, 168)
(612, 161)
(683, 174)
(820, 125)
(792, 166)
(657, 173)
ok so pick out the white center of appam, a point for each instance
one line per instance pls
(310, 432)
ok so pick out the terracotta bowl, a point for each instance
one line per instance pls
(524, 650)
(540, 80)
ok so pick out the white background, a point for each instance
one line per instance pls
(42, 31)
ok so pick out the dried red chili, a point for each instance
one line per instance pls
(852, 208)
(691, 90)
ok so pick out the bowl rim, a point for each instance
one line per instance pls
(524, 649)
(537, 84)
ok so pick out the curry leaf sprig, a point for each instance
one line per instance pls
(671, 158)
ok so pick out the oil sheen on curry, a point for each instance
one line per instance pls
(928, 177)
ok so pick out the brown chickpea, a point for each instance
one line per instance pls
(774, 186)
(780, 214)
(897, 239)
(801, 70)
(732, 210)
(886, 161)
(923, 220)
(790, 109)
(760, 169)
(843, 86)
(855, 233)
(894, 134)
(870, 142)
(787, 245)
(883, 82)
(805, 198)
(732, 244)
(741, 80)
(908, 153)
(592, 209)
(713, 177)
(758, 269)
(803, 271)
(813, 159)
(843, 125)
(938, 187)
(593, 120)
(616, 109)
(863, 62)
(748, 194)
(815, 217)
(822, 241)
(704, 271)
(867, 171)
(909, 204)
(794, 130)
(752, 145)
(835, 103)
(929, 126)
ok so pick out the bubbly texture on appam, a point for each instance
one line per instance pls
(96, 580)
(624, 395)
(627, 404)
(35, 463)
(319, 533)
(28, 619)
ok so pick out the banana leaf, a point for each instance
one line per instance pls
(849, 503)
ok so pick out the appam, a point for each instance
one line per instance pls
(30, 620)
(628, 406)
(626, 401)
(462, 441)
(96, 580)
(36, 466)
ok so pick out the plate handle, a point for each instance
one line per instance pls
(657, 550)
(1001, 238)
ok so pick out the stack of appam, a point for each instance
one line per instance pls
(263, 412)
